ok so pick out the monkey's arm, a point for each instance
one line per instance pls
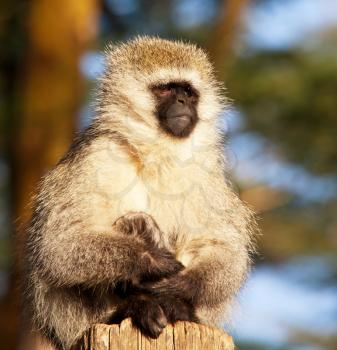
(70, 255)
(217, 260)
(212, 277)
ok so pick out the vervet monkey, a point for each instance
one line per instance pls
(138, 218)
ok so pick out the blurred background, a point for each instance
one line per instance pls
(278, 59)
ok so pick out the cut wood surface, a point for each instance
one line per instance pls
(183, 336)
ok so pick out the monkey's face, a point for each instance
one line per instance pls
(176, 108)
(156, 90)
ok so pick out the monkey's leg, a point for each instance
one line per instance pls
(66, 313)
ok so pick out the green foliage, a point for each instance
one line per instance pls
(291, 99)
(292, 231)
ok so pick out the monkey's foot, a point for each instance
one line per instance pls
(146, 315)
(177, 310)
(149, 317)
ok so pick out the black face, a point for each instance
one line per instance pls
(176, 108)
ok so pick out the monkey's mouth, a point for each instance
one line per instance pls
(180, 125)
(179, 122)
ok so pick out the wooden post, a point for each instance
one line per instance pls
(183, 336)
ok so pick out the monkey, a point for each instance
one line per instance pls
(139, 219)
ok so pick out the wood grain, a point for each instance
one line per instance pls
(182, 336)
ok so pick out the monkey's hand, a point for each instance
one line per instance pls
(156, 262)
(141, 225)
(145, 312)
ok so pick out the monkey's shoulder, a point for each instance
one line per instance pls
(85, 141)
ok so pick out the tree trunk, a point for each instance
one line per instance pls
(183, 336)
(46, 93)
(225, 32)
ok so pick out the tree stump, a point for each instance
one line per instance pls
(182, 336)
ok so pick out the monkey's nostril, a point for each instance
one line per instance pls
(180, 100)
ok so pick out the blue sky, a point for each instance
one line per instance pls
(248, 154)
(275, 24)
(273, 304)
(288, 22)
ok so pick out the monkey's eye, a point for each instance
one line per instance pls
(162, 90)
(188, 91)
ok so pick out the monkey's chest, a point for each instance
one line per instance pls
(175, 205)
(150, 198)
(170, 194)
(134, 197)
(170, 197)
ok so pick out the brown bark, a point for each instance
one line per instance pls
(48, 92)
(51, 90)
(183, 336)
(225, 32)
